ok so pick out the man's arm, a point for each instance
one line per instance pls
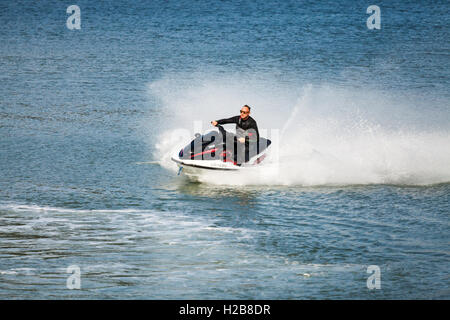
(228, 120)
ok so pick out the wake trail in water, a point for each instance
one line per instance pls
(328, 135)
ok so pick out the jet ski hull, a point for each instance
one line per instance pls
(209, 165)
(205, 154)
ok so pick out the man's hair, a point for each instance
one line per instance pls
(247, 107)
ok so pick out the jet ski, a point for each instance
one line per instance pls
(216, 150)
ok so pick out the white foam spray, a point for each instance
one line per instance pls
(329, 135)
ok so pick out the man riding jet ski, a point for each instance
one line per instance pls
(224, 150)
(246, 133)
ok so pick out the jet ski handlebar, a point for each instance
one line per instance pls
(221, 129)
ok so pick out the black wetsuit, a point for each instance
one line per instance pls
(247, 129)
(244, 128)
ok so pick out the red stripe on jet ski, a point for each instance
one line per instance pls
(225, 159)
(257, 161)
(201, 153)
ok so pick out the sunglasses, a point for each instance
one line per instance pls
(245, 112)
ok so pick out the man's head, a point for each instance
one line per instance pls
(245, 112)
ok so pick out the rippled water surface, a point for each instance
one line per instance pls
(89, 119)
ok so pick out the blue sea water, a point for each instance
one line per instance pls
(90, 117)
